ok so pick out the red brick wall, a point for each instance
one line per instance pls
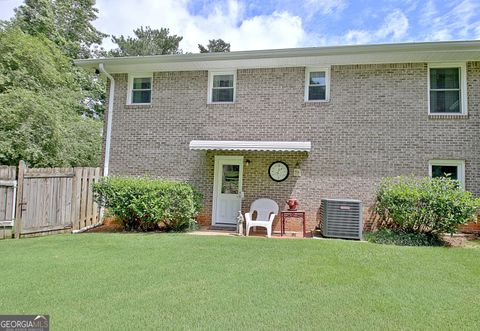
(471, 227)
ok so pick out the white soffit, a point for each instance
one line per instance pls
(269, 146)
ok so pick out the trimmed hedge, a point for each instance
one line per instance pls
(428, 205)
(147, 204)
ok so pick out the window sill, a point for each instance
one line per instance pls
(439, 116)
(316, 101)
(220, 103)
(138, 106)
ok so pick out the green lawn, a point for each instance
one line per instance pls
(185, 282)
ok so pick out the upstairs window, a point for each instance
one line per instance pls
(222, 87)
(140, 89)
(447, 89)
(317, 84)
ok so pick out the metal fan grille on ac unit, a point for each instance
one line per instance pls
(341, 218)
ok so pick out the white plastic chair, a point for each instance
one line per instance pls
(266, 210)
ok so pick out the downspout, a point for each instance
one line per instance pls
(107, 141)
(108, 137)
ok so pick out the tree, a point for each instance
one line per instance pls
(215, 46)
(68, 23)
(147, 41)
(42, 114)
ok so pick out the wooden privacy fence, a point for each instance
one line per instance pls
(51, 199)
(8, 187)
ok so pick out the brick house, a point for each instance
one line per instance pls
(309, 123)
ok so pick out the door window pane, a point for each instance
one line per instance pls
(230, 178)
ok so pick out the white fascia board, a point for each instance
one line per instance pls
(295, 62)
(315, 56)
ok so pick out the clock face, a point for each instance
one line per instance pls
(278, 171)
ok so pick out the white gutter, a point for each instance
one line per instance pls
(412, 47)
(108, 137)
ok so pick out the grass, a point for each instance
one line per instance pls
(401, 238)
(184, 282)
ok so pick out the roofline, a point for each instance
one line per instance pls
(465, 45)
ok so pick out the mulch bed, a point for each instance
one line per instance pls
(109, 225)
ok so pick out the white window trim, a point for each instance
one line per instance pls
(308, 70)
(463, 86)
(210, 85)
(460, 168)
(130, 87)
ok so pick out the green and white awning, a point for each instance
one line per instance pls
(267, 146)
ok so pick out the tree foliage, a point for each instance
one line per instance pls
(41, 110)
(68, 23)
(215, 46)
(147, 41)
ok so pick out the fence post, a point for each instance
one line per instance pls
(19, 202)
(73, 218)
(96, 207)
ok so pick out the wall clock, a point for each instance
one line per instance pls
(278, 171)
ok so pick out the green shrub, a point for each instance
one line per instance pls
(428, 205)
(397, 237)
(149, 204)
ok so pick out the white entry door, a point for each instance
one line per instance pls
(227, 189)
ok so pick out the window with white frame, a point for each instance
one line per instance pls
(139, 89)
(221, 87)
(317, 84)
(453, 169)
(447, 84)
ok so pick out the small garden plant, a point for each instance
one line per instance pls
(416, 211)
(147, 204)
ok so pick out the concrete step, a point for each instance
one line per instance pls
(223, 228)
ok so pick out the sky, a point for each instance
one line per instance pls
(267, 24)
